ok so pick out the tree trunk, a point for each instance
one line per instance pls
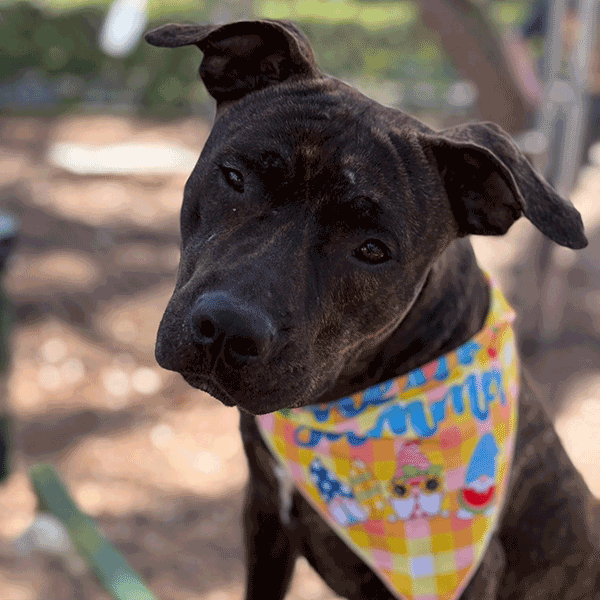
(477, 52)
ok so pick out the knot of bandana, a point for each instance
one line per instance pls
(412, 473)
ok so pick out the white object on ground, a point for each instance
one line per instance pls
(122, 159)
(48, 534)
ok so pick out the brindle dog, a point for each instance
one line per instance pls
(325, 249)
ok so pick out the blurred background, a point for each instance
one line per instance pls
(98, 133)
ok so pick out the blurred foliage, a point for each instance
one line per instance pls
(52, 60)
(397, 53)
(157, 9)
(370, 15)
(29, 39)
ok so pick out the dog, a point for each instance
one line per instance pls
(324, 252)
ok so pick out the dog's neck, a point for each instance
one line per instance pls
(450, 309)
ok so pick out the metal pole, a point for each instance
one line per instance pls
(562, 121)
(554, 288)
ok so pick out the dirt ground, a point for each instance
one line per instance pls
(157, 464)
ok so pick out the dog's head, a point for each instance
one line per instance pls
(313, 217)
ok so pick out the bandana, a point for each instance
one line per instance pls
(412, 473)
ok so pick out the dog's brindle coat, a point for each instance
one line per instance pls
(324, 250)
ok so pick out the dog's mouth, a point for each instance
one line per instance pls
(210, 386)
(263, 403)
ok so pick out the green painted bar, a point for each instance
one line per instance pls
(109, 565)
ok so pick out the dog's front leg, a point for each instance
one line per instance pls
(270, 556)
(270, 552)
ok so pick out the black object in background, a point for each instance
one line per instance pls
(8, 236)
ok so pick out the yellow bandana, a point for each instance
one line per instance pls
(412, 473)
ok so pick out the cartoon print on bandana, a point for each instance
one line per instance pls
(477, 496)
(369, 492)
(343, 508)
(416, 487)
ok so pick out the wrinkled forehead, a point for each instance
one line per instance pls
(309, 129)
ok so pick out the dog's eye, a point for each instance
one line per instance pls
(234, 178)
(372, 251)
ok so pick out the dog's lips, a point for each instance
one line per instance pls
(210, 386)
(217, 391)
(261, 403)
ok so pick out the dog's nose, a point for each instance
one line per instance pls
(241, 332)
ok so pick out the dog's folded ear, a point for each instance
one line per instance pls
(490, 184)
(244, 56)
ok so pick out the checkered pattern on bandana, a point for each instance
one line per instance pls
(412, 473)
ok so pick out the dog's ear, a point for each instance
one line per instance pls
(490, 183)
(242, 57)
